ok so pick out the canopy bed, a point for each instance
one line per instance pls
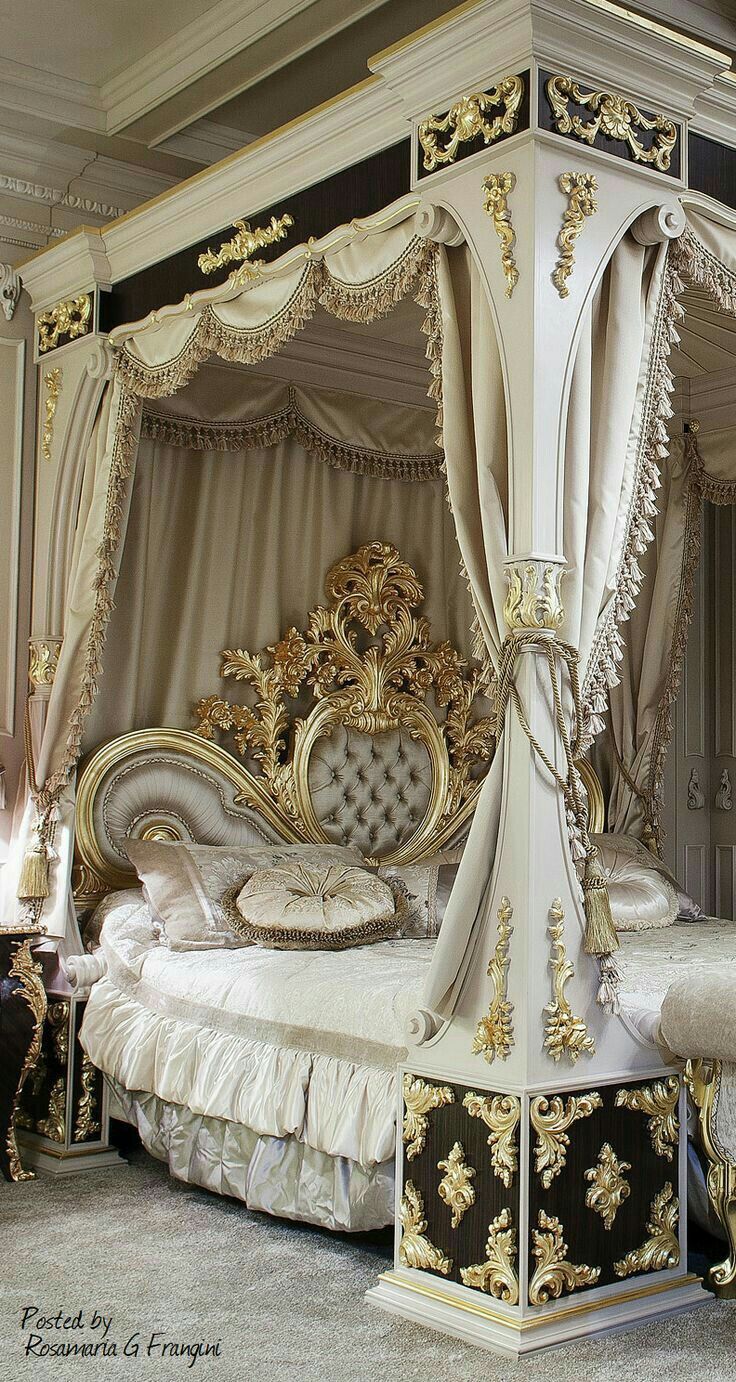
(477, 1039)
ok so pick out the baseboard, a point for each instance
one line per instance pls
(68, 1163)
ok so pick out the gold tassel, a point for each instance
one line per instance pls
(600, 932)
(33, 884)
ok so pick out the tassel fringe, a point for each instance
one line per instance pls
(600, 932)
(33, 885)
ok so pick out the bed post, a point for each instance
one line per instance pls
(541, 1151)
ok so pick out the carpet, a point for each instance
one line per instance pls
(156, 1257)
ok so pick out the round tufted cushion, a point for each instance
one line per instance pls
(307, 906)
(641, 899)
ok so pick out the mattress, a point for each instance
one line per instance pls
(650, 961)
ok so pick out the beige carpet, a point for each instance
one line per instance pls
(285, 1301)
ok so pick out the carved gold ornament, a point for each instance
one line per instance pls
(415, 1249)
(498, 187)
(456, 1187)
(564, 1033)
(57, 1018)
(494, 1034)
(533, 596)
(580, 190)
(242, 246)
(368, 689)
(501, 1114)
(71, 318)
(553, 1274)
(86, 1124)
(27, 970)
(52, 383)
(43, 660)
(661, 1249)
(551, 1119)
(470, 119)
(659, 1101)
(53, 1125)
(614, 117)
(419, 1100)
(609, 1186)
(704, 1081)
(497, 1275)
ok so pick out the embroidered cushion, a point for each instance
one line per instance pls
(305, 905)
(428, 886)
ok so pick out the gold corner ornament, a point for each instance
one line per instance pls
(29, 973)
(415, 1249)
(498, 187)
(53, 1125)
(659, 1101)
(243, 245)
(533, 597)
(497, 1275)
(608, 1185)
(553, 1274)
(564, 1033)
(614, 117)
(87, 1124)
(580, 190)
(551, 1119)
(470, 118)
(661, 1249)
(494, 1033)
(419, 1100)
(456, 1187)
(501, 1114)
(71, 318)
(43, 660)
(52, 383)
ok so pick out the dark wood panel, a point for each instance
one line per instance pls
(712, 169)
(475, 146)
(618, 147)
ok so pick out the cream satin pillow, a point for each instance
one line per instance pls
(641, 899)
(304, 905)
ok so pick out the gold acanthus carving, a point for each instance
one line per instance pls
(71, 318)
(551, 1119)
(659, 1101)
(87, 887)
(58, 1020)
(243, 246)
(456, 1187)
(419, 1100)
(52, 383)
(494, 1034)
(608, 1185)
(553, 1274)
(614, 117)
(533, 597)
(470, 118)
(53, 1125)
(580, 190)
(415, 1249)
(661, 1249)
(497, 1275)
(27, 970)
(564, 1033)
(43, 660)
(501, 1113)
(86, 1124)
(703, 1081)
(498, 187)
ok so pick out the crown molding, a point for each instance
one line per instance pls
(206, 142)
(715, 116)
(62, 100)
(76, 264)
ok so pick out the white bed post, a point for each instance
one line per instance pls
(562, 1172)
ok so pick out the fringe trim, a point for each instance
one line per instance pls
(270, 429)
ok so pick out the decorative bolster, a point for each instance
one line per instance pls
(83, 971)
(699, 1016)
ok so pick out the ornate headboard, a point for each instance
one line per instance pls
(357, 728)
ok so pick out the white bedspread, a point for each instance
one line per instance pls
(284, 1042)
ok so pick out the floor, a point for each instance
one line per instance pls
(282, 1300)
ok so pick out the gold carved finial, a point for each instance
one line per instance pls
(497, 1275)
(564, 1033)
(494, 1034)
(659, 1100)
(501, 1114)
(71, 318)
(580, 189)
(415, 1249)
(243, 246)
(419, 1099)
(52, 383)
(533, 597)
(551, 1119)
(456, 1188)
(470, 119)
(609, 1186)
(43, 660)
(498, 187)
(661, 1249)
(553, 1274)
(614, 117)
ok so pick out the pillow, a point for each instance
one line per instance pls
(305, 905)
(428, 886)
(184, 883)
(687, 907)
(641, 898)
